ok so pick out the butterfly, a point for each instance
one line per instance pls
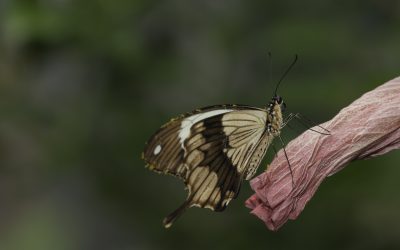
(214, 149)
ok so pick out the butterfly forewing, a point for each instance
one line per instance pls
(212, 150)
(163, 152)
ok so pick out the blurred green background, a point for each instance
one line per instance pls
(83, 85)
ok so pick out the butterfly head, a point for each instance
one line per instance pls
(278, 101)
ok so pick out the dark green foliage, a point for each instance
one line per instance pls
(83, 84)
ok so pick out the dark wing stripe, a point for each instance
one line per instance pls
(223, 184)
(212, 163)
(208, 167)
(228, 178)
(207, 187)
(212, 156)
(215, 188)
(227, 190)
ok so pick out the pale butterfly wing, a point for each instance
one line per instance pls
(212, 150)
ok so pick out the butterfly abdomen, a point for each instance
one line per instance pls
(258, 156)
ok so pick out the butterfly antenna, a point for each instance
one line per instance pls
(286, 72)
(270, 66)
(172, 217)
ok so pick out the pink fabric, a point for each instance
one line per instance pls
(369, 127)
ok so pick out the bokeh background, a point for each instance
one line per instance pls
(83, 84)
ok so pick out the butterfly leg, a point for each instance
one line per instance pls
(304, 122)
(288, 119)
(308, 124)
(284, 151)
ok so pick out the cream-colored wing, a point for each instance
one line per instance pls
(212, 152)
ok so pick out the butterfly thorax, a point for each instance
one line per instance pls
(274, 118)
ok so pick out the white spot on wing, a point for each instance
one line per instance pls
(188, 122)
(157, 150)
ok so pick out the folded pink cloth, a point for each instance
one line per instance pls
(369, 127)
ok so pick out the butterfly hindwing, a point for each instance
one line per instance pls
(213, 179)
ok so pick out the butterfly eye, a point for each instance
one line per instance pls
(278, 99)
(283, 106)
